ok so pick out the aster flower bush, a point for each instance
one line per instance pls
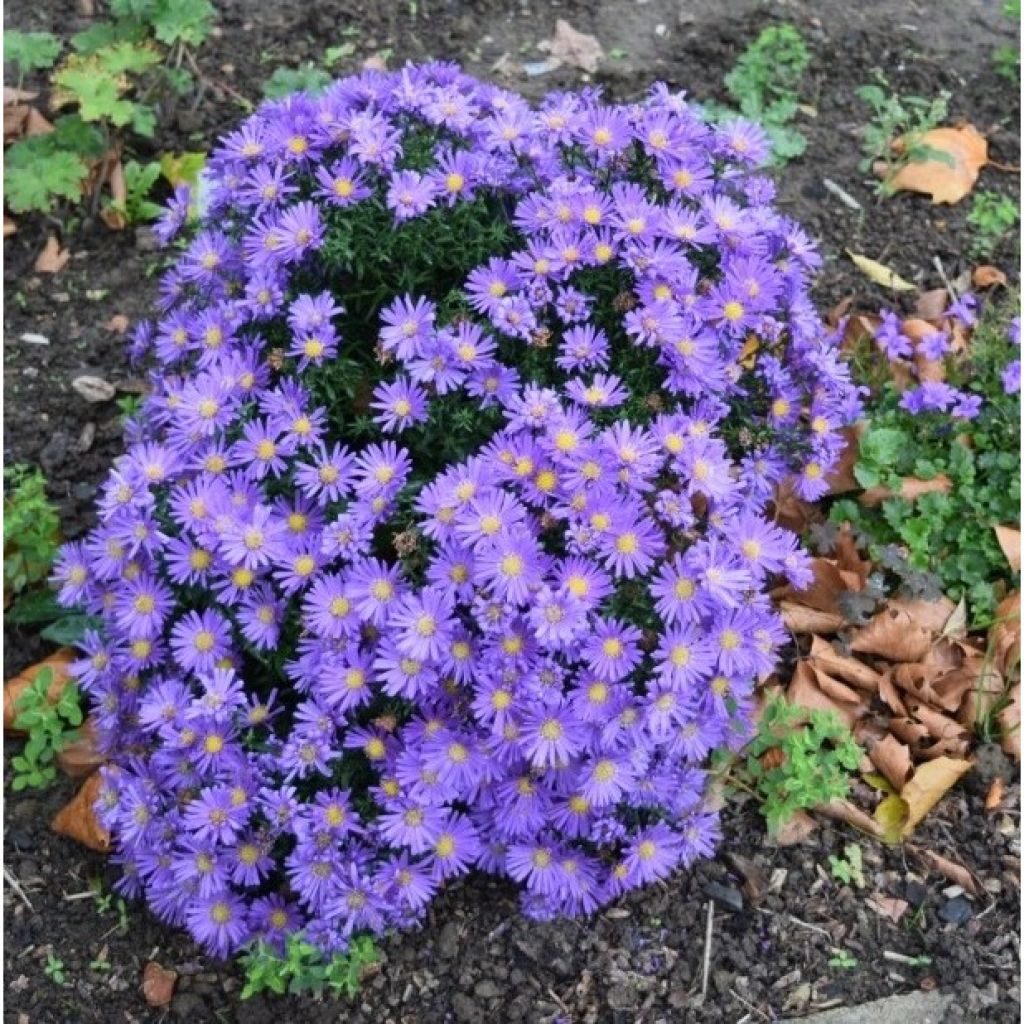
(443, 539)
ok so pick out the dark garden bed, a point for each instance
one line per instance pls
(779, 914)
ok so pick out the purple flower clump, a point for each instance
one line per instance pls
(330, 681)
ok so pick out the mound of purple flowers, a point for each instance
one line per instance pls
(414, 567)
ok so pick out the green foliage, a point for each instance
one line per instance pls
(1007, 58)
(992, 217)
(54, 969)
(842, 959)
(30, 51)
(849, 869)
(31, 529)
(765, 84)
(308, 77)
(139, 181)
(894, 135)
(49, 726)
(950, 534)
(36, 174)
(303, 968)
(813, 754)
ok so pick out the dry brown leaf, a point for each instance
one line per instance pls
(1009, 725)
(805, 689)
(985, 276)
(918, 331)
(887, 906)
(798, 618)
(938, 686)
(823, 656)
(841, 479)
(77, 819)
(910, 490)
(10, 226)
(928, 786)
(791, 511)
(950, 869)
(794, 830)
(892, 634)
(81, 757)
(53, 258)
(118, 323)
(851, 814)
(577, 49)
(879, 273)
(893, 760)
(158, 984)
(1004, 636)
(928, 615)
(890, 695)
(114, 177)
(931, 305)
(826, 587)
(59, 663)
(847, 556)
(944, 183)
(1009, 542)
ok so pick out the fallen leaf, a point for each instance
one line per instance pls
(893, 760)
(10, 227)
(887, 906)
(928, 785)
(827, 586)
(880, 274)
(158, 984)
(755, 883)
(794, 830)
(81, 757)
(1009, 724)
(910, 490)
(956, 624)
(892, 634)
(950, 869)
(77, 819)
(841, 479)
(118, 323)
(931, 304)
(577, 49)
(1004, 635)
(113, 215)
(823, 655)
(986, 276)
(798, 618)
(944, 182)
(994, 797)
(53, 258)
(806, 689)
(60, 665)
(928, 615)
(890, 695)
(852, 815)
(1009, 542)
(891, 815)
(94, 389)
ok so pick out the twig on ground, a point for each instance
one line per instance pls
(707, 948)
(841, 194)
(17, 889)
(937, 263)
(217, 83)
(748, 1005)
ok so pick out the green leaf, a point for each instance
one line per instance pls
(124, 58)
(69, 630)
(34, 184)
(184, 20)
(31, 51)
(34, 608)
(308, 78)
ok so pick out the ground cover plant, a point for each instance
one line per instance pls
(442, 538)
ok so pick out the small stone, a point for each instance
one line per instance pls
(158, 984)
(464, 1007)
(448, 941)
(94, 389)
(726, 896)
(54, 452)
(486, 989)
(35, 339)
(956, 911)
(87, 436)
(915, 893)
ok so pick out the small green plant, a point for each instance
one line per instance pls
(54, 969)
(992, 217)
(849, 869)
(139, 181)
(111, 81)
(765, 85)
(31, 529)
(303, 968)
(1007, 58)
(100, 964)
(895, 134)
(129, 406)
(948, 532)
(308, 77)
(842, 959)
(49, 725)
(800, 758)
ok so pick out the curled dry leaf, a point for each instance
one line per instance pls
(1009, 724)
(577, 49)
(910, 490)
(52, 259)
(851, 814)
(890, 694)
(81, 757)
(811, 689)
(879, 273)
(928, 786)
(893, 760)
(1009, 542)
(887, 906)
(794, 830)
(944, 182)
(931, 305)
(994, 797)
(986, 276)
(827, 586)
(1004, 636)
(77, 819)
(798, 618)
(59, 664)
(841, 479)
(823, 656)
(118, 323)
(928, 615)
(158, 984)
(957, 873)
(892, 634)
